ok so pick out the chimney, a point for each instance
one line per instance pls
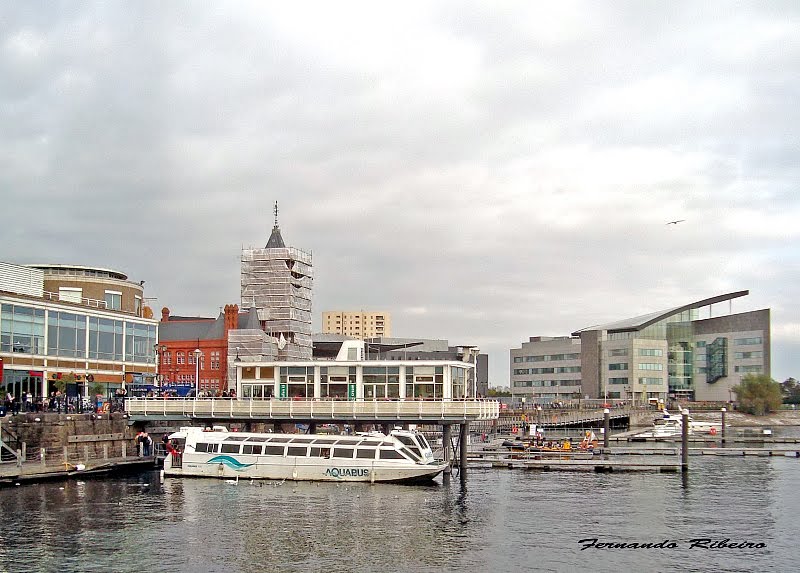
(165, 314)
(231, 317)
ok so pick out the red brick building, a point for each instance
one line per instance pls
(181, 337)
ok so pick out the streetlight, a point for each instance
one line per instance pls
(159, 350)
(197, 354)
(524, 421)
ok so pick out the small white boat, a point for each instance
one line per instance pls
(670, 426)
(402, 456)
(695, 427)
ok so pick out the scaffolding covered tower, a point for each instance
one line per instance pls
(277, 281)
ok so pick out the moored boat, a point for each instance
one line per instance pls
(402, 456)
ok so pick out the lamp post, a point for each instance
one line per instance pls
(159, 350)
(197, 353)
(524, 421)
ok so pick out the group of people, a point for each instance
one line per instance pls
(26, 402)
(144, 444)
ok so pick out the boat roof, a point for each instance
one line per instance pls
(373, 438)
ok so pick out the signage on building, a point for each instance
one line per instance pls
(351, 391)
(283, 391)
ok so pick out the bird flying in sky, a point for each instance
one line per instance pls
(676, 222)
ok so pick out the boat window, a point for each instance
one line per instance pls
(257, 439)
(279, 440)
(346, 453)
(365, 453)
(324, 441)
(412, 453)
(297, 451)
(273, 450)
(206, 448)
(235, 438)
(251, 449)
(230, 448)
(391, 455)
(423, 441)
(370, 443)
(319, 452)
(302, 440)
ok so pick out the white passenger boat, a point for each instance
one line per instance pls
(402, 456)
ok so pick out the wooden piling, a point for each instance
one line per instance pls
(463, 445)
(446, 447)
(685, 441)
(606, 426)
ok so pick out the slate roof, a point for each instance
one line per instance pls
(275, 239)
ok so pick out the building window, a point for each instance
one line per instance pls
(649, 366)
(651, 352)
(70, 294)
(179, 358)
(215, 360)
(747, 341)
(105, 339)
(113, 300)
(748, 369)
(619, 352)
(748, 355)
(717, 360)
(617, 380)
(618, 366)
(651, 381)
(22, 329)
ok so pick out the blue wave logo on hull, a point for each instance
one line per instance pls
(229, 461)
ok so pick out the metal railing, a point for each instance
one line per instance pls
(429, 410)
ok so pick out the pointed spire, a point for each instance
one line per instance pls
(275, 239)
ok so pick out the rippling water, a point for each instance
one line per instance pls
(501, 520)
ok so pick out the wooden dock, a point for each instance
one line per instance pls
(602, 466)
(30, 472)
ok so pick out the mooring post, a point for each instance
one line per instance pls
(685, 440)
(463, 448)
(447, 447)
(606, 424)
(723, 424)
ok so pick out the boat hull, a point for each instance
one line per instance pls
(228, 467)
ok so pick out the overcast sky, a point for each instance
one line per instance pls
(485, 172)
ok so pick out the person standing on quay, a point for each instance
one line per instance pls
(148, 444)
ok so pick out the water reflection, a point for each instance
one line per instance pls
(495, 520)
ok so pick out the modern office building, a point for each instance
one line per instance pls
(277, 281)
(357, 324)
(676, 353)
(87, 322)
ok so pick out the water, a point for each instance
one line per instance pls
(502, 520)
